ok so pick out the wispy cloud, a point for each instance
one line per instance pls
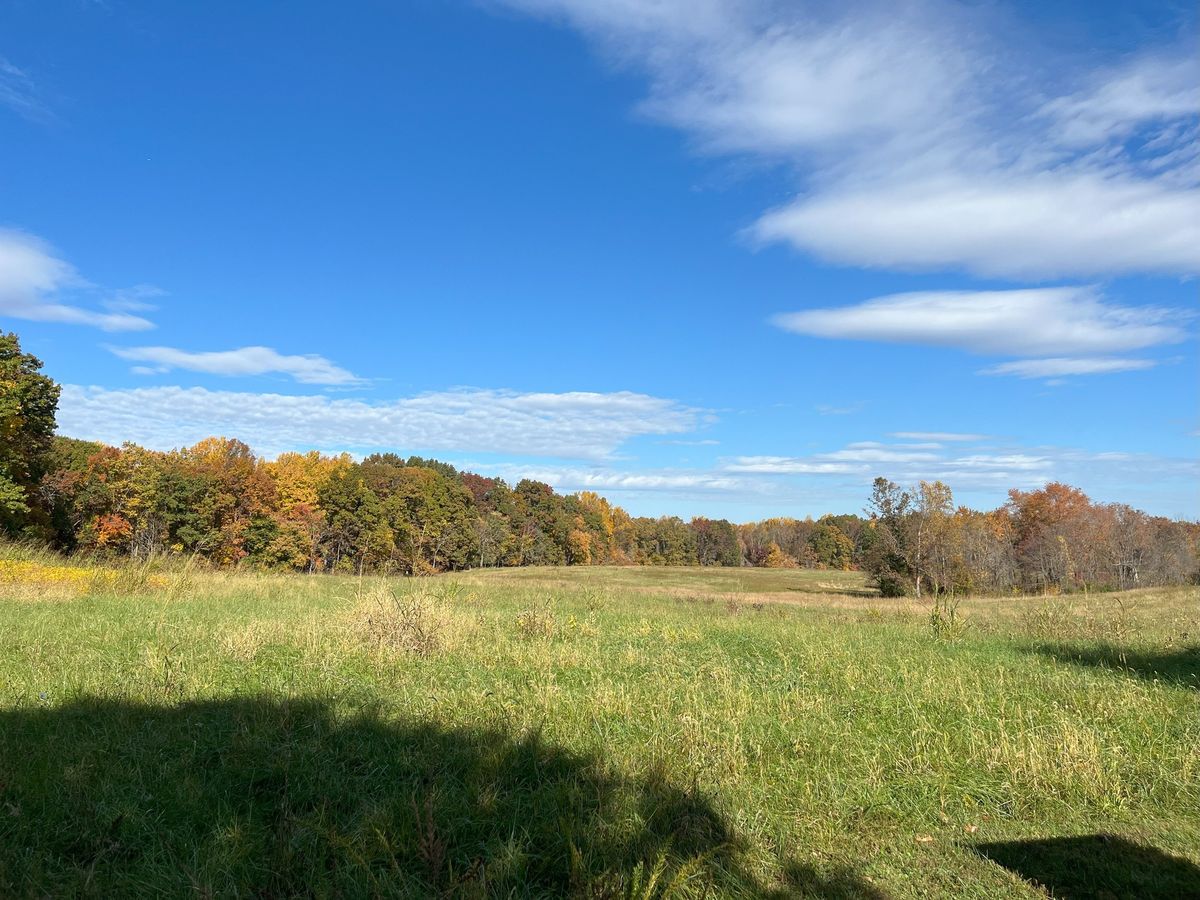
(616, 481)
(1146, 90)
(840, 479)
(923, 135)
(34, 280)
(1062, 366)
(20, 94)
(787, 465)
(306, 369)
(992, 468)
(574, 425)
(825, 409)
(812, 485)
(875, 452)
(938, 436)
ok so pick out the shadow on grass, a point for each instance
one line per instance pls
(1180, 667)
(279, 799)
(804, 881)
(1097, 866)
(837, 591)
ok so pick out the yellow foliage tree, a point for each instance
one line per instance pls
(777, 559)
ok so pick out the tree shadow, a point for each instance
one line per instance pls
(1180, 666)
(836, 591)
(284, 798)
(1097, 866)
(841, 884)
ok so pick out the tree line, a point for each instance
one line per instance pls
(311, 512)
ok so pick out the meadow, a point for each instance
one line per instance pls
(592, 732)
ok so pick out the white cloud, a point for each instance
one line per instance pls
(878, 453)
(1026, 225)
(574, 425)
(307, 369)
(1061, 366)
(32, 278)
(925, 136)
(939, 436)
(786, 465)
(854, 458)
(754, 75)
(1032, 322)
(966, 473)
(979, 462)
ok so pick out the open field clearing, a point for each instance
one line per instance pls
(591, 732)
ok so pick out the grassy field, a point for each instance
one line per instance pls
(590, 732)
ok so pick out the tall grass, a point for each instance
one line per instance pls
(583, 732)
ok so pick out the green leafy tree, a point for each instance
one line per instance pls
(665, 541)
(716, 542)
(28, 402)
(544, 525)
(356, 532)
(882, 542)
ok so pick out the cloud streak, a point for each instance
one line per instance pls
(1065, 325)
(1064, 366)
(938, 436)
(244, 361)
(980, 468)
(652, 481)
(1062, 320)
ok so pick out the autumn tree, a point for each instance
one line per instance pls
(1049, 528)
(776, 558)
(214, 490)
(829, 546)
(927, 543)
(299, 521)
(66, 466)
(790, 535)
(595, 516)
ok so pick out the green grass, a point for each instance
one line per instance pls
(595, 732)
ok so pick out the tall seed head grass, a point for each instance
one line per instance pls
(537, 621)
(410, 622)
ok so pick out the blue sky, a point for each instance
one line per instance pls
(731, 258)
